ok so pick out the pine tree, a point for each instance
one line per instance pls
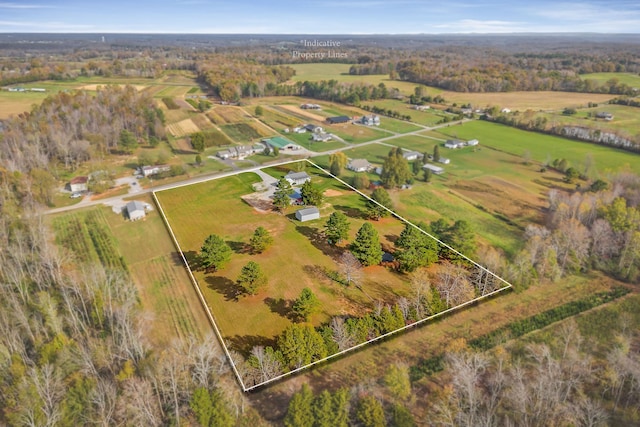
(374, 210)
(306, 304)
(337, 228)
(427, 175)
(214, 253)
(301, 345)
(417, 249)
(311, 194)
(366, 247)
(260, 240)
(436, 153)
(251, 278)
(281, 196)
(370, 412)
(300, 410)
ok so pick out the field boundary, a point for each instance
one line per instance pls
(343, 352)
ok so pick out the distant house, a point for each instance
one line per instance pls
(444, 160)
(281, 143)
(371, 120)
(243, 151)
(321, 137)
(314, 128)
(472, 142)
(297, 178)
(359, 165)
(307, 214)
(310, 107)
(433, 168)
(224, 154)
(338, 119)
(604, 115)
(154, 170)
(454, 143)
(299, 129)
(411, 155)
(420, 107)
(505, 110)
(79, 183)
(136, 210)
(38, 89)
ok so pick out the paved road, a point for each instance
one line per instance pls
(136, 190)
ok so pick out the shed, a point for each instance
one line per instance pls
(472, 142)
(307, 214)
(79, 183)
(433, 168)
(281, 143)
(338, 119)
(454, 143)
(136, 210)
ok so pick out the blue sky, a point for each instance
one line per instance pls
(319, 16)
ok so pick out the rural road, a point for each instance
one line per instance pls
(136, 190)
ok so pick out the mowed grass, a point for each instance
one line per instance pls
(340, 72)
(630, 79)
(14, 103)
(429, 117)
(517, 142)
(522, 101)
(296, 260)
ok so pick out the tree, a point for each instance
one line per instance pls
(401, 417)
(460, 236)
(260, 240)
(417, 249)
(281, 196)
(571, 174)
(251, 278)
(301, 345)
(197, 141)
(210, 409)
(436, 153)
(311, 194)
(127, 142)
(350, 268)
(370, 412)
(259, 111)
(214, 253)
(306, 304)
(417, 167)
(276, 151)
(374, 210)
(300, 410)
(336, 228)
(361, 181)
(198, 159)
(395, 169)
(397, 381)
(366, 247)
(427, 174)
(337, 162)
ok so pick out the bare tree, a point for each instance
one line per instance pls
(453, 284)
(340, 334)
(350, 268)
(268, 365)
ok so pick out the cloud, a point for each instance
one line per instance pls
(39, 26)
(482, 26)
(23, 6)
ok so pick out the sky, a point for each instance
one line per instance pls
(318, 16)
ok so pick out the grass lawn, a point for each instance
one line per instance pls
(14, 103)
(298, 252)
(516, 142)
(428, 117)
(630, 79)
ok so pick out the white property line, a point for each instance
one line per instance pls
(381, 337)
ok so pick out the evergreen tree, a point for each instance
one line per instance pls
(323, 410)
(401, 417)
(460, 236)
(215, 253)
(418, 249)
(259, 111)
(425, 158)
(198, 159)
(397, 381)
(374, 210)
(281, 196)
(260, 240)
(251, 278)
(341, 408)
(416, 166)
(311, 194)
(337, 228)
(210, 409)
(127, 142)
(427, 175)
(370, 412)
(301, 345)
(366, 247)
(306, 304)
(300, 410)
(436, 153)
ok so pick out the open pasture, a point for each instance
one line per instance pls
(630, 79)
(182, 128)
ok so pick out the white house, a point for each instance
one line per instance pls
(321, 137)
(472, 142)
(371, 120)
(297, 178)
(136, 210)
(411, 155)
(299, 129)
(307, 214)
(314, 128)
(359, 165)
(444, 160)
(79, 183)
(454, 143)
(505, 110)
(433, 168)
(154, 170)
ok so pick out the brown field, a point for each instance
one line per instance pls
(182, 128)
(526, 100)
(227, 115)
(202, 121)
(306, 113)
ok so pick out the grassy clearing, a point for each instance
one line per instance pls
(298, 251)
(632, 80)
(429, 117)
(516, 142)
(243, 132)
(545, 100)
(14, 103)
(182, 128)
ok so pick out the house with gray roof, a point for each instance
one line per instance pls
(136, 210)
(307, 214)
(297, 178)
(359, 165)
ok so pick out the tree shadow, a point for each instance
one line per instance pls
(391, 238)
(351, 212)
(191, 257)
(318, 240)
(238, 247)
(223, 286)
(282, 307)
(245, 343)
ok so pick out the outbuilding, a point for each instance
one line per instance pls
(136, 210)
(307, 214)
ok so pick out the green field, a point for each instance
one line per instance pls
(516, 142)
(429, 117)
(298, 252)
(241, 132)
(340, 72)
(632, 80)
